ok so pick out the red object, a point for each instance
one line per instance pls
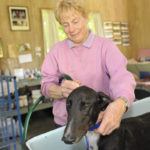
(143, 53)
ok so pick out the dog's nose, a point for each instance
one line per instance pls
(68, 139)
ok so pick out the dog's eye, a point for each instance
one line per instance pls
(84, 105)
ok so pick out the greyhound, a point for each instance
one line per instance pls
(84, 105)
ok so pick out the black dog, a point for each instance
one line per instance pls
(83, 107)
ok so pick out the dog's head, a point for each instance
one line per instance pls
(83, 107)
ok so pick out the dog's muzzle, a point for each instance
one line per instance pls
(68, 139)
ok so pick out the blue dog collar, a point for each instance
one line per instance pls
(95, 126)
(91, 129)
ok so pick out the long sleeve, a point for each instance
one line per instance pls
(50, 73)
(122, 82)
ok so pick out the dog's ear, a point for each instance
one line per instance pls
(103, 100)
(103, 96)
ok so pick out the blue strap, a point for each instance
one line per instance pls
(95, 126)
(87, 143)
(91, 129)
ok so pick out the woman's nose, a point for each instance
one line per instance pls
(71, 28)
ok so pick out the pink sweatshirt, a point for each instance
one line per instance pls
(97, 63)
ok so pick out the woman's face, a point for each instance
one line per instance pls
(75, 26)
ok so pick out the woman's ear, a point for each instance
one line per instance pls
(86, 19)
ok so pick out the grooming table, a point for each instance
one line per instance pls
(52, 140)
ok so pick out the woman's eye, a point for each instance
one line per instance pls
(76, 21)
(65, 25)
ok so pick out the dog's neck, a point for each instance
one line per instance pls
(92, 139)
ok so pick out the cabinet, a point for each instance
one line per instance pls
(26, 86)
(136, 68)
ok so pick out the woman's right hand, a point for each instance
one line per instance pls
(68, 86)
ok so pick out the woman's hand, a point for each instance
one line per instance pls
(68, 86)
(111, 117)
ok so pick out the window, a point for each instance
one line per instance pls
(91, 26)
(53, 31)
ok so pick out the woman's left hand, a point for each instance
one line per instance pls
(68, 86)
(111, 117)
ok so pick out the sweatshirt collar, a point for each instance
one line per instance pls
(87, 43)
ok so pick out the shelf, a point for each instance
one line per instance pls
(43, 106)
(137, 68)
(25, 110)
(33, 82)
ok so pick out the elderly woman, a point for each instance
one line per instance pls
(90, 60)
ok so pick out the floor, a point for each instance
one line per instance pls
(40, 122)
